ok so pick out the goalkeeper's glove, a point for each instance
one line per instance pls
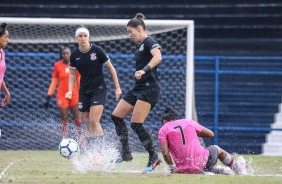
(46, 102)
(171, 168)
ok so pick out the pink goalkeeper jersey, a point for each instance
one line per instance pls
(184, 145)
(2, 67)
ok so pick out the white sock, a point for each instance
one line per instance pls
(228, 160)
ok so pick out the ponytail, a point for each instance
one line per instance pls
(3, 29)
(169, 114)
(138, 20)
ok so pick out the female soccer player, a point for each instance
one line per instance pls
(89, 60)
(60, 75)
(4, 39)
(180, 144)
(143, 96)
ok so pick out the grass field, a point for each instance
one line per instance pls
(50, 167)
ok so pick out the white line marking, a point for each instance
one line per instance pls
(2, 174)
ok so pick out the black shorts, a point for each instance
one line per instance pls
(150, 95)
(213, 156)
(88, 100)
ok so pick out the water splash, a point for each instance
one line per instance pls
(95, 159)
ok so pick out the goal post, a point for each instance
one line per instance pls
(35, 42)
(164, 24)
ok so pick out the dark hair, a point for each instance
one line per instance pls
(3, 29)
(80, 26)
(62, 49)
(65, 48)
(138, 20)
(169, 114)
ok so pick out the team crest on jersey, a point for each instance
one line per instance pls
(59, 102)
(93, 56)
(141, 48)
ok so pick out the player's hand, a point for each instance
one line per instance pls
(6, 100)
(171, 168)
(118, 93)
(68, 95)
(138, 74)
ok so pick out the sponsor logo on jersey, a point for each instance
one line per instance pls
(93, 56)
(77, 59)
(141, 48)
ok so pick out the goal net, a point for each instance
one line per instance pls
(34, 48)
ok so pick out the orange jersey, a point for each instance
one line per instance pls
(63, 102)
(61, 72)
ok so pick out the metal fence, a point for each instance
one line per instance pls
(242, 95)
(236, 97)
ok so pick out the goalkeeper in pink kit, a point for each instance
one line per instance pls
(4, 40)
(183, 152)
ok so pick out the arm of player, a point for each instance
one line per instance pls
(72, 79)
(7, 98)
(50, 92)
(167, 157)
(78, 76)
(52, 86)
(206, 133)
(156, 59)
(113, 73)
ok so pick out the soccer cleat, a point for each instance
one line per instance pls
(122, 158)
(153, 162)
(240, 166)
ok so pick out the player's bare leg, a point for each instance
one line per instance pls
(94, 120)
(94, 131)
(64, 122)
(238, 166)
(78, 123)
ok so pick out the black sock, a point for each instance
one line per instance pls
(144, 137)
(122, 133)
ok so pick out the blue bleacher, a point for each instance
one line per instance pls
(222, 27)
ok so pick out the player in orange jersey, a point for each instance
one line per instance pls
(60, 75)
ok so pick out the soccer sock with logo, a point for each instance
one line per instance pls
(144, 137)
(122, 133)
(228, 160)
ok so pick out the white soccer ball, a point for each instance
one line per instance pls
(68, 148)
